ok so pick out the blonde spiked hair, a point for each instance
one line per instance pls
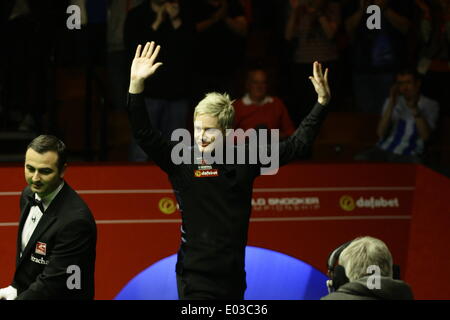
(217, 105)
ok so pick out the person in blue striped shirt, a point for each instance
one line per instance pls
(406, 124)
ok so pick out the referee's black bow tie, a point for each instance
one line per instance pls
(35, 202)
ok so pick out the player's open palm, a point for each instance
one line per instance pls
(144, 65)
(320, 82)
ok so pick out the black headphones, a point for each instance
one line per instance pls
(336, 272)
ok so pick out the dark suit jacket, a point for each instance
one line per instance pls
(66, 235)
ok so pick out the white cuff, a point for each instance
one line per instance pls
(8, 293)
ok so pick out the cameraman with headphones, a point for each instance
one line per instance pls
(362, 269)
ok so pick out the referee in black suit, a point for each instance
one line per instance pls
(57, 233)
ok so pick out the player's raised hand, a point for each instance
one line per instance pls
(144, 65)
(320, 82)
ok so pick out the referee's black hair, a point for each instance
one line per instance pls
(45, 143)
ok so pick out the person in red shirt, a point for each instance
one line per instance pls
(257, 110)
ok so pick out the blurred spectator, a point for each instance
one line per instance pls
(27, 32)
(220, 44)
(407, 122)
(312, 25)
(365, 271)
(376, 53)
(434, 50)
(168, 93)
(265, 40)
(256, 109)
(117, 54)
(97, 20)
(16, 31)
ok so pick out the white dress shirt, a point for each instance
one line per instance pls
(35, 216)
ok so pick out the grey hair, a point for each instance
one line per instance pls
(217, 105)
(362, 253)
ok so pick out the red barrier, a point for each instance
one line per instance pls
(429, 251)
(305, 211)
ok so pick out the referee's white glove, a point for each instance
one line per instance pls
(8, 293)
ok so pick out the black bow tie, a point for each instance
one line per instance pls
(35, 202)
